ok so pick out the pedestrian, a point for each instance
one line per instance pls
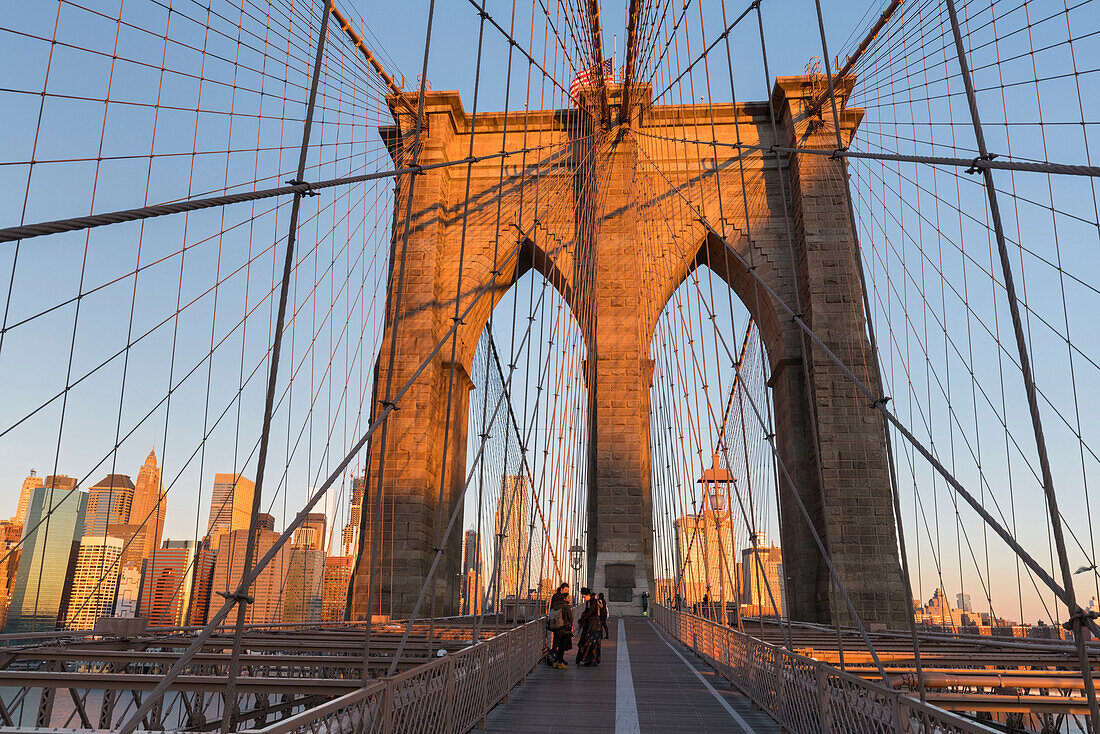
(645, 603)
(560, 623)
(588, 648)
(603, 615)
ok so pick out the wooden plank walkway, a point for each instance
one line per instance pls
(667, 682)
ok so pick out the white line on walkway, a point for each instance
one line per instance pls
(721, 699)
(626, 707)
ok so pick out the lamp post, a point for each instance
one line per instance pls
(576, 559)
(716, 482)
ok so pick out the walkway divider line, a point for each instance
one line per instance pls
(721, 699)
(626, 706)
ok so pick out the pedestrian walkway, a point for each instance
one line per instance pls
(656, 686)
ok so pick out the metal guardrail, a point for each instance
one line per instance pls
(803, 695)
(450, 694)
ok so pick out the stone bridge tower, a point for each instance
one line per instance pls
(618, 261)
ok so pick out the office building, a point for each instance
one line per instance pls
(129, 589)
(763, 583)
(150, 506)
(60, 481)
(962, 602)
(109, 502)
(9, 565)
(230, 504)
(510, 529)
(131, 544)
(705, 558)
(350, 539)
(44, 562)
(304, 590)
(311, 533)
(31, 483)
(168, 582)
(93, 583)
(473, 575)
(334, 596)
(205, 556)
(229, 570)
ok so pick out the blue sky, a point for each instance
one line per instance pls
(923, 245)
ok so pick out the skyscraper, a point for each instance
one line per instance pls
(311, 533)
(473, 575)
(60, 481)
(205, 557)
(229, 570)
(350, 538)
(705, 556)
(47, 548)
(962, 601)
(334, 596)
(230, 504)
(31, 483)
(167, 584)
(511, 531)
(762, 568)
(132, 549)
(149, 508)
(9, 565)
(94, 582)
(109, 502)
(304, 590)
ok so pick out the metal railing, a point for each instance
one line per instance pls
(451, 694)
(803, 695)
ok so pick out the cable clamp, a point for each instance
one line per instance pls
(1079, 618)
(239, 598)
(837, 154)
(417, 169)
(458, 320)
(880, 403)
(797, 317)
(769, 437)
(389, 404)
(309, 187)
(974, 165)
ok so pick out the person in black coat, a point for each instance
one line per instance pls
(563, 635)
(603, 615)
(588, 649)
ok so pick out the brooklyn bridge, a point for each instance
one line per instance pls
(769, 329)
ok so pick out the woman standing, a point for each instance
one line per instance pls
(588, 649)
(603, 615)
(561, 625)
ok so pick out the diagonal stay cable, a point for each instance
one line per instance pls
(72, 224)
(971, 164)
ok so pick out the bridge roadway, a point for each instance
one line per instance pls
(657, 686)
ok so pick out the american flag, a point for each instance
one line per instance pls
(587, 77)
